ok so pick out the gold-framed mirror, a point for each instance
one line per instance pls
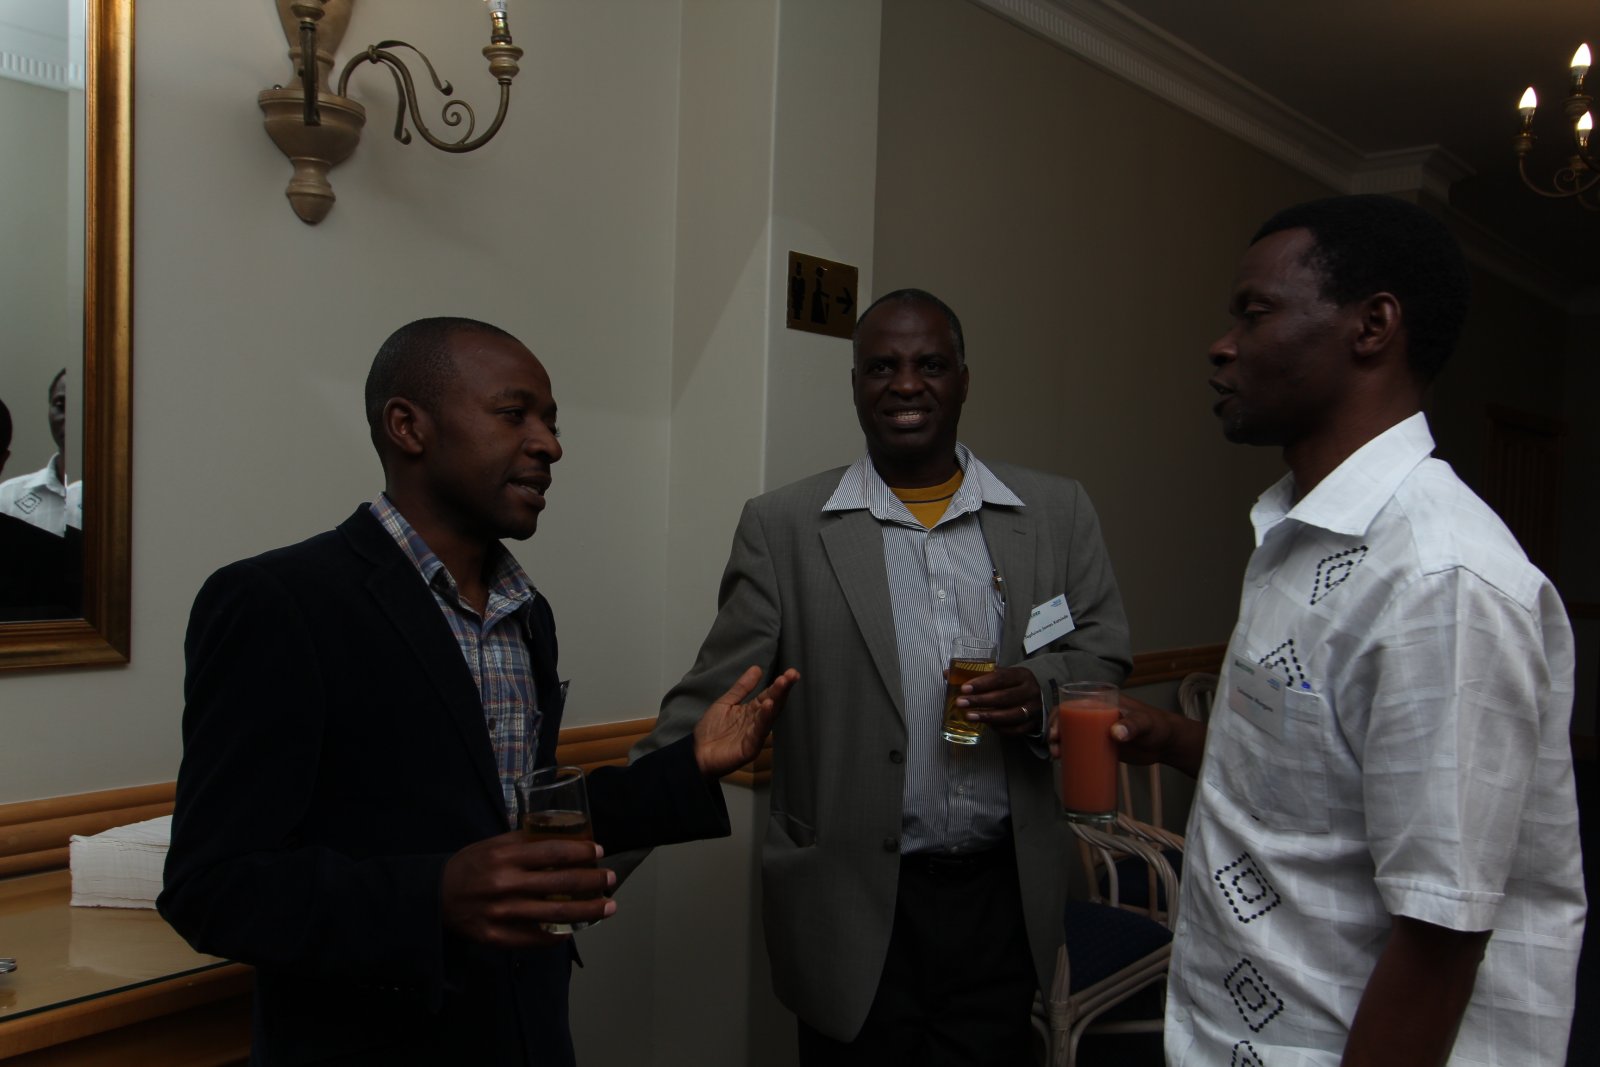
(99, 632)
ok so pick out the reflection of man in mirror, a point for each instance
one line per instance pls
(45, 498)
(38, 569)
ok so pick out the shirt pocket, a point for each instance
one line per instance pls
(1281, 782)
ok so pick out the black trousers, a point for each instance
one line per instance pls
(958, 984)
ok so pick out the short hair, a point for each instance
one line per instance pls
(1370, 244)
(6, 427)
(915, 298)
(60, 374)
(415, 362)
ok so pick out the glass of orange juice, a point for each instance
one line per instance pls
(1085, 712)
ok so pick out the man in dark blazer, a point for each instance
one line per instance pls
(41, 572)
(912, 889)
(358, 708)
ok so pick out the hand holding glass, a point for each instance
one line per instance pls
(555, 807)
(969, 657)
(1085, 713)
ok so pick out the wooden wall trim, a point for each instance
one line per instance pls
(34, 833)
(1173, 664)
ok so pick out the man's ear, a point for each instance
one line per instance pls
(406, 425)
(1381, 327)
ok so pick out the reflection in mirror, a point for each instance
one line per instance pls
(64, 117)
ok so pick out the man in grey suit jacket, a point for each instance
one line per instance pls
(913, 889)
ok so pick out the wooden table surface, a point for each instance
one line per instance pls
(66, 955)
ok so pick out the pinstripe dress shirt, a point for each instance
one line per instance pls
(494, 645)
(941, 586)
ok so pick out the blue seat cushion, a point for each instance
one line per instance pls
(1133, 880)
(1102, 940)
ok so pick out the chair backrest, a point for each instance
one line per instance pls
(1104, 848)
(1196, 693)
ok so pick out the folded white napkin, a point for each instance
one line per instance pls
(120, 868)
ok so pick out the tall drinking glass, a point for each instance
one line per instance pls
(555, 807)
(1085, 712)
(969, 657)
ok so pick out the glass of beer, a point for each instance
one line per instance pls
(555, 807)
(1085, 712)
(969, 657)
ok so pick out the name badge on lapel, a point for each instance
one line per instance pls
(1046, 623)
(1254, 693)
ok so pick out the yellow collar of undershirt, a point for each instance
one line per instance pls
(928, 503)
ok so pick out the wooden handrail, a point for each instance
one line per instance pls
(34, 833)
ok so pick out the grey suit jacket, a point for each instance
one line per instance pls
(809, 589)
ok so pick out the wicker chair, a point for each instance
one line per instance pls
(1109, 951)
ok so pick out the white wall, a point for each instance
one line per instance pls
(253, 333)
(39, 331)
(1016, 182)
(778, 108)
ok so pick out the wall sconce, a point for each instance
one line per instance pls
(318, 127)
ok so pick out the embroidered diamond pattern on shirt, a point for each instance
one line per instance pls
(1246, 889)
(1245, 1055)
(1285, 659)
(1252, 995)
(1333, 570)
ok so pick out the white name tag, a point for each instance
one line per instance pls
(1048, 621)
(1254, 693)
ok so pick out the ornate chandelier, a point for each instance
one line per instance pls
(1580, 178)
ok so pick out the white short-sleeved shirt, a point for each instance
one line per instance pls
(1417, 763)
(40, 498)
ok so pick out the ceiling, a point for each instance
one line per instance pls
(1386, 75)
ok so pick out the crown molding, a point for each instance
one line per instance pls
(1107, 35)
(1127, 46)
(33, 50)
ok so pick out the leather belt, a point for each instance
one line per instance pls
(945, 864)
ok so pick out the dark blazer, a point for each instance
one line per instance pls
(335, 756)
(41, 573)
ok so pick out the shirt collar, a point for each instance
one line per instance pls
(507, 578)
(1348, 499)
(45, 478)
(862, 487)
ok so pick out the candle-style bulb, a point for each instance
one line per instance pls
(499, 28)
(1528, 103)
(1585, 125)
(1580, 65)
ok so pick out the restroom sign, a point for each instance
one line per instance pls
(822, 295)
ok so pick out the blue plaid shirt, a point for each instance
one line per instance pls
(495, 646)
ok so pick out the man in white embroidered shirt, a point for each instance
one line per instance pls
(1383, 862)
(45, 498)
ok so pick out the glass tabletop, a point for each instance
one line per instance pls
(65, 955)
